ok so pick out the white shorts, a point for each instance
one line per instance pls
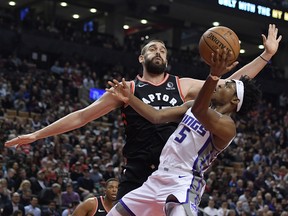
(151, 197)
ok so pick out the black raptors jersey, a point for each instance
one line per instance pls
(144, 140)
(100, 211)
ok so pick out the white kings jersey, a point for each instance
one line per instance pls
(190, 147)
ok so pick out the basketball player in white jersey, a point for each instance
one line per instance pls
(204, 132)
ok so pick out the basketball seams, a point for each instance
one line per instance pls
(218, 38)
(231, 48)
(208, 45)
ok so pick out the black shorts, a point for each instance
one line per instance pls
(133, 176)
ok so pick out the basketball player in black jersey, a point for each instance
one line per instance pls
(144, 140)
(99, 206)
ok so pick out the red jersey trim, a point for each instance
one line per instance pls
(179, 88)
(164, 80)
(96, 206)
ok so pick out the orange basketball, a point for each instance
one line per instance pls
(219, 37)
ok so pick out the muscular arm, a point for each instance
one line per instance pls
(72, 121)
(171, 114)
(221, 126)
(271, 44)
(86, 208)
(191, 87)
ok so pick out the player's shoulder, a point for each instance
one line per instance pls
(91, 200)
(190, 80)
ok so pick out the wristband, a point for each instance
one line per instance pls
(213, 77)
(263, 59)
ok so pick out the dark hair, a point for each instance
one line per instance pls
(252, 95)
(144, 48)
(111, 179)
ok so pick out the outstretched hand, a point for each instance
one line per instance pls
(20, 140)
(220, 64)
(119, 90)
(271, 42)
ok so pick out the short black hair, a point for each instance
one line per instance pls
(252, 95)
(111, 179)
(144, 48)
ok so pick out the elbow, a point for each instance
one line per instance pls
(159, 119)
(155, 120)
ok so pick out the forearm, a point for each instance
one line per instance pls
(67, 123)
(170, 114)
(201, 106)
(253, 68)
(145, 110)
(81, 117)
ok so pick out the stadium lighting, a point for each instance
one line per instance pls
(12, 3)
(93, 10)
(76, 16)
(63, 4)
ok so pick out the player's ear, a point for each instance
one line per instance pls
(141, 59)
(235, 100)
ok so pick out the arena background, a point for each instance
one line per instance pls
(52, 64)
(179, 22)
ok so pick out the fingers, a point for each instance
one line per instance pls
(124, 83)
(14, 142)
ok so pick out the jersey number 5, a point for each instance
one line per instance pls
(182, 134)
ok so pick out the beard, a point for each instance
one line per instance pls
(153, 68)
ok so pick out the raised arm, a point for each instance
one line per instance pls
(171, 114)
(221, 126)
(271, 44)
(191, 87)
(70, 122)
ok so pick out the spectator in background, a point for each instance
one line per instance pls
(223, 210)
(51, 210)
(39, 183)
(50, 193)
(5, 189)
(69, 196)
(25, 197)
(13, 205)
(4, 198)
(85, 184)
(210, 210)
(95, 174)
(57, 69)
(69, 210)
(10, 179)
(76, 171)
(33, 207)
(109, 172)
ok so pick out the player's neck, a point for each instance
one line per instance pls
(108, 203)
(153, 78)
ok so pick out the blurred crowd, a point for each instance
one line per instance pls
(80, 161)
(54, 174)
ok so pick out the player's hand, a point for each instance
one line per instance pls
(20, 140)
(119, 90)
(271, 42)
(220, 64)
